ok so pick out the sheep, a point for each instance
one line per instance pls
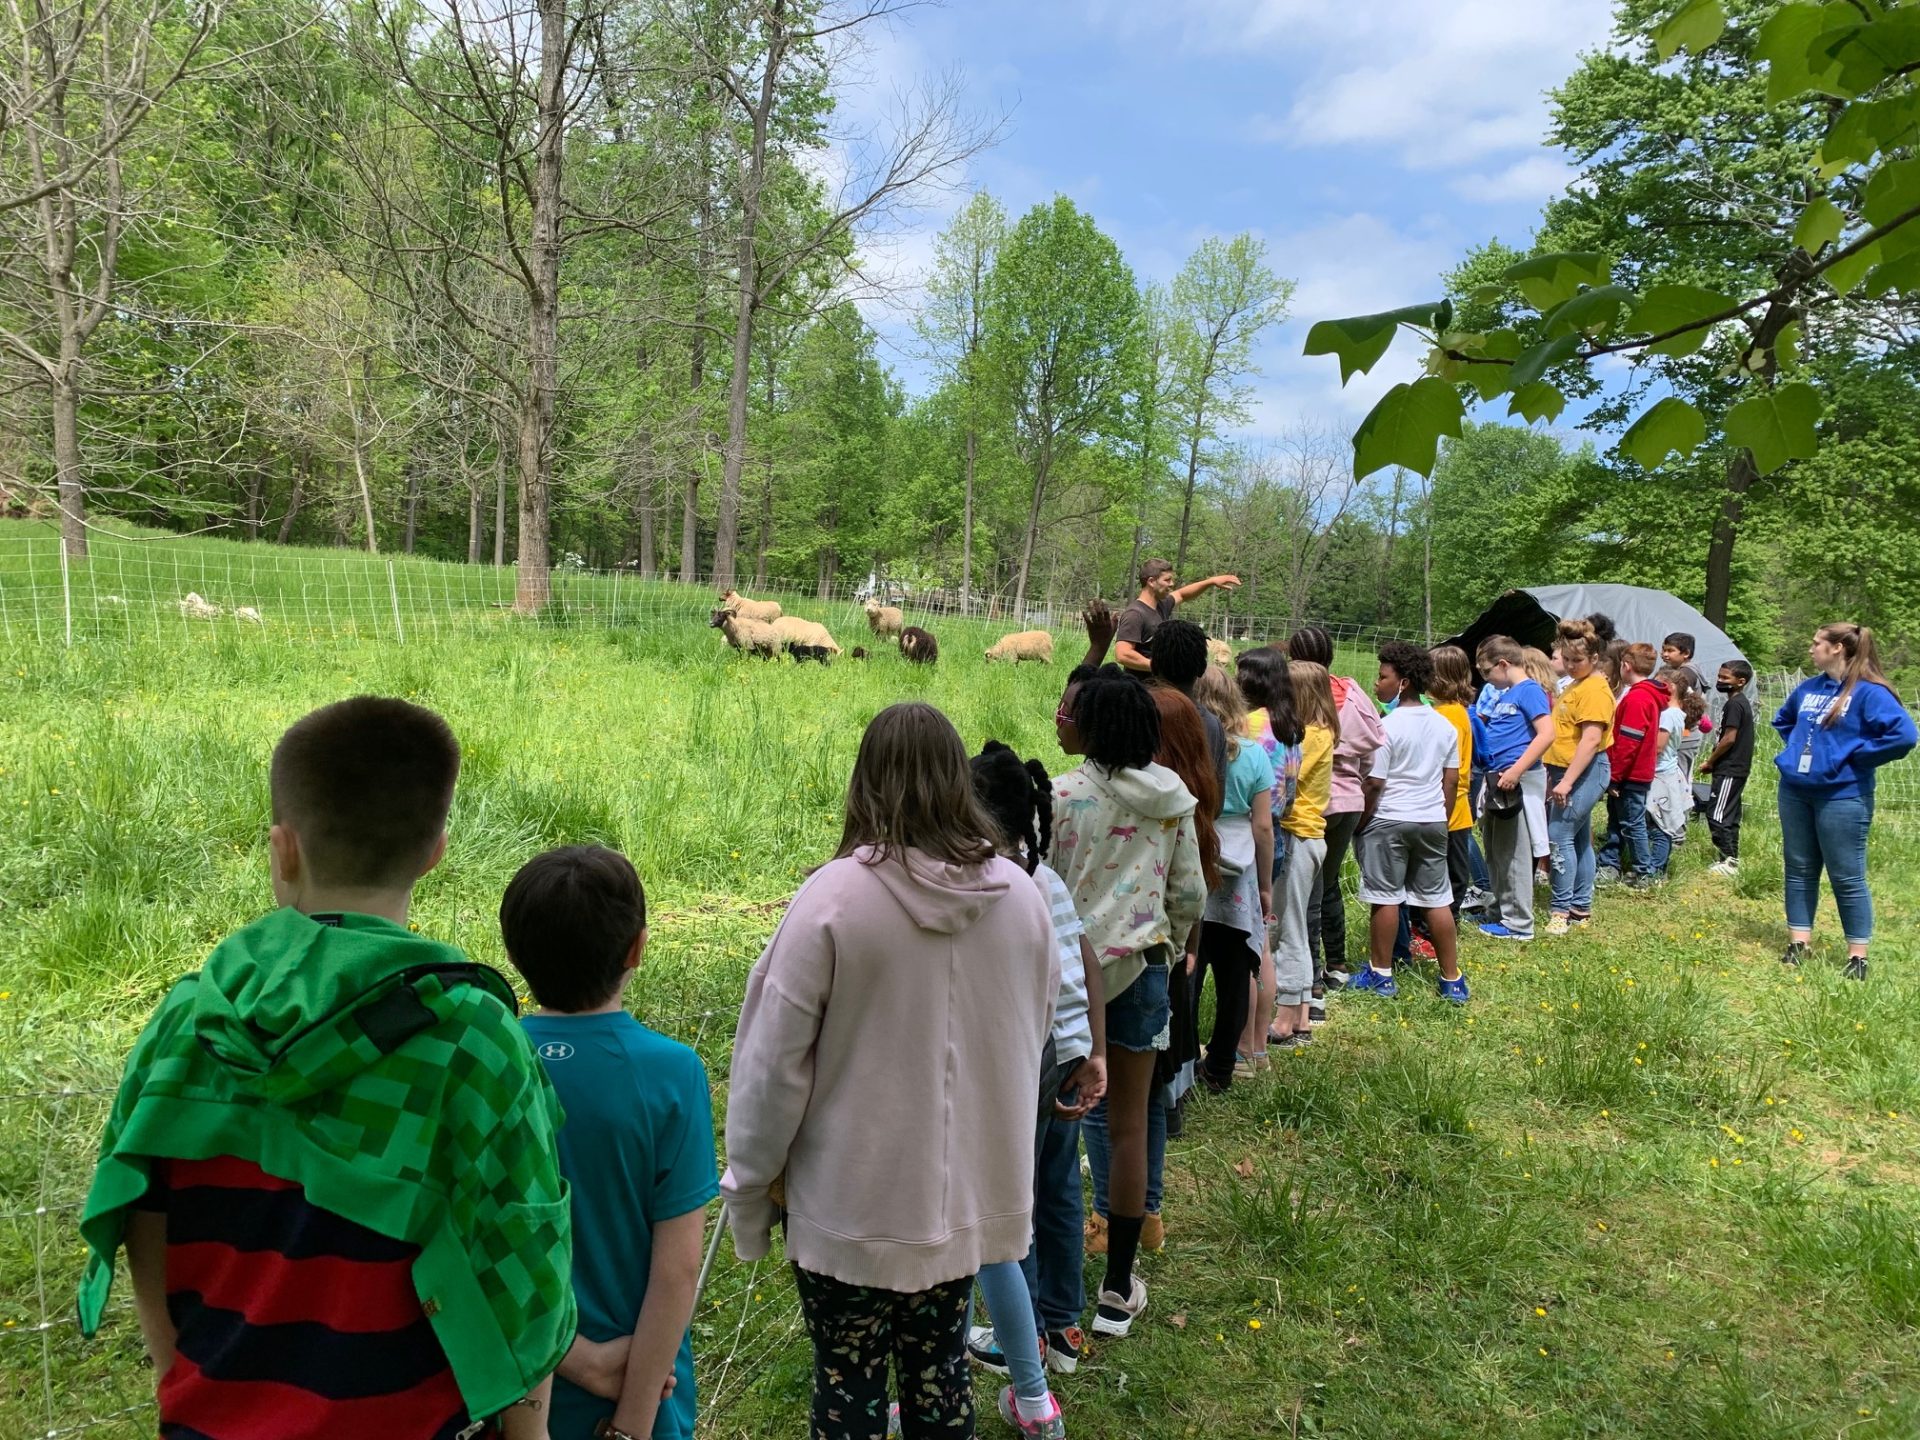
(884, 620)
(755, 636)
(859, 652)
(249, 614)
(795, 631)
(1024, 645)
(734, 603)
(194, 608)
(803, 653)
(918, 646)
(1219, 653)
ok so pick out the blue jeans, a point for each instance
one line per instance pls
(1570, 837)
(1628, 848)
(1055, 1263)
(1100, 1150)
(1477, 871)
(1816, 832)
(1010, 1307)
(1661, 845)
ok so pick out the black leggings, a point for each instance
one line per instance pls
(1225, 952)
(1327, 916)
(857, 1329)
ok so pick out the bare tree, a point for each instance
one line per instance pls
(78, 82)
(1311, 468)
(786, 46)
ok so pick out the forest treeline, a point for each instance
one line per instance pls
(559, 282)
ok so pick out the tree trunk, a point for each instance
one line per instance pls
(256, 485)
(648, 558)
(690, 521)
(499, 504)
(1032, 535)
(966, 534)
(1383, 607)
(1186, 502)
(295, 499)
(476, 525)
(413, 509)
(1726, 530)
(72, 487)
(532, 584)
(726, 537)
(366, 492)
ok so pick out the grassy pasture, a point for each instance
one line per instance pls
(1649, 1183)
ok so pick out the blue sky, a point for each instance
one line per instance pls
(1370, 143)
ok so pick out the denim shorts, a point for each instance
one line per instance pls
(1137, 1015)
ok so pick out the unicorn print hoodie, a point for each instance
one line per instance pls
(1123, 840)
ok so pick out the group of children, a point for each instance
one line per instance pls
(338, 1163)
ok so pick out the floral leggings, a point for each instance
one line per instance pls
(856, 1330)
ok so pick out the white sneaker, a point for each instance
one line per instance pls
(1114, 1315)
(1728, 866)
(1558, 925)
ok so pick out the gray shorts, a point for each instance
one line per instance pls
(1404, 862)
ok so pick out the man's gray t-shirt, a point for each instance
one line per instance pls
(1139, 620)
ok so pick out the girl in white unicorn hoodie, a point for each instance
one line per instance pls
(1124, 843)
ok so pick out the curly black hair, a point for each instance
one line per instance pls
(1179, 653)
(1413, 665)
(1118, 722)
(1019, 798)
(1312, 645)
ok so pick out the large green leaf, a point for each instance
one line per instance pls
(1777, 425)
(1694, 26)
(1845, 273)
(1867, 127)
(1406, 426)
(1783, 42)
(1665, 307)
(1852, 57)
(1542, 358)
(1591, 312)
(1902, 274)
(1536, 402)
(1893, 191)
(1361, 340)
(1819, 224)
(1671, 426)
(1550, 280)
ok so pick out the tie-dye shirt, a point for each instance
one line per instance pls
(1285, 758)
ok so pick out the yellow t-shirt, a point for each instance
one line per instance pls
(1308, 817)
(1582, 702)
(1462, 817)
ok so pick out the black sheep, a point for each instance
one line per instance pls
(918, 646)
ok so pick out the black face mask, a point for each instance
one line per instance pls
(1724, 688)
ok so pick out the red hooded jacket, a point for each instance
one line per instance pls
(1636, 731)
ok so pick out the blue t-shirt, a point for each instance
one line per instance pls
(1509, 722)
(1248, 773)
(637, 1148)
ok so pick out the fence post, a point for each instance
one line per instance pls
(66, 591)
(393, 592)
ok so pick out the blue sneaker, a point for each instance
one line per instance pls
(1371, 982)
(1501, 932)
(1455, 990)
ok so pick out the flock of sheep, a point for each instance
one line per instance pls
(759, 627)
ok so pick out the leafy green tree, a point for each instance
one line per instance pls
(1061, 343)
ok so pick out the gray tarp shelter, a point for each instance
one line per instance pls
(1530, 615)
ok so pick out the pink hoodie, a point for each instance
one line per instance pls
(1361, 733)
(888, 1066)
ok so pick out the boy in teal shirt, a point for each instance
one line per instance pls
(636, 1148)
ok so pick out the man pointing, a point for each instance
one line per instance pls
(1133, 640)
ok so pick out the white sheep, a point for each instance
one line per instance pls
(1219, 653)
(249, 614)
(755, 636)
(885, 620)
(194, 608)
(734, 603)
(795, 631)
(1023, 645)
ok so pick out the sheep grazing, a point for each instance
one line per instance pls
(1219, 653)
(734, 603)
(250, 615)
(795, 631)
(918, 646)
(755, 636)
(194, 608)
(859, 652)
(884, 620)
(804, 653)
(1023, 645)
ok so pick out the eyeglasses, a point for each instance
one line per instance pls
(1063, 716)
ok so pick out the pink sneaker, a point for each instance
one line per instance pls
(1052, 1427)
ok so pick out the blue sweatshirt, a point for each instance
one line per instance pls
(1837, 762)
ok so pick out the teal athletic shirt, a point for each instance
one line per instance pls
(637, 1148)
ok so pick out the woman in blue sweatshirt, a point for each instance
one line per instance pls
(1836, 729)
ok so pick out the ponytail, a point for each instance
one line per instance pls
(1863, 663)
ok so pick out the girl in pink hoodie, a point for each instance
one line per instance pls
(885, 1080)
(1360, 735)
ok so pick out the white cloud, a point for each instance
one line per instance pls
(1443, 84)
(1529, 181)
